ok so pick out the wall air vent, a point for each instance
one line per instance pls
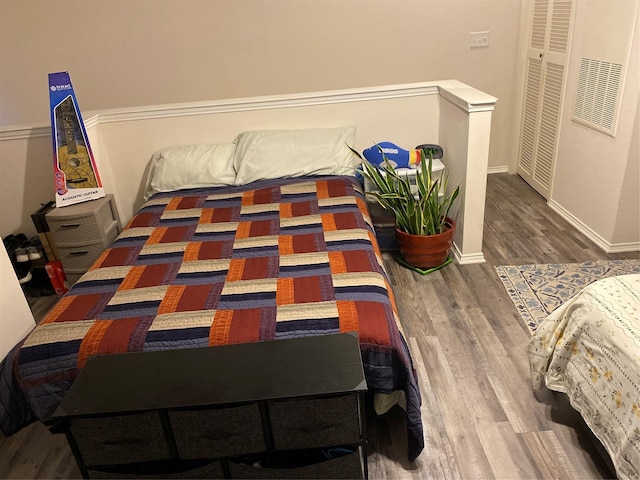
(597, 95)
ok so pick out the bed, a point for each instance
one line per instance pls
(589, 349)
(225, 250)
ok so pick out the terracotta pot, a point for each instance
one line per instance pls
(426, 251)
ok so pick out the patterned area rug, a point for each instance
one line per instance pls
(537, 290)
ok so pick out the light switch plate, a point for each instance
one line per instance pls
(478, 39)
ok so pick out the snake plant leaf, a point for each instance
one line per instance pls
(419, 211)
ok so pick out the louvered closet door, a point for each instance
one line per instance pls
(551, 24)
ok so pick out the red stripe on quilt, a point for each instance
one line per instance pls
(339, 189)
(77, 307)
(312, 289)
(183, 203)
(256, 228)
(346, 221)
(265, 195)
(57, 310)
(206, 251)
(245, 326)
(174, 234)
(144, 219)
(189, 298)
(260, 228)
(358, 261)
(307, 243)
(376, 329)
(194, 297)
(304, 290)
(117, 257)
(251, 268)
(188, 202)
(141, 276)
(214, 250)
(225, 214)
(302, 209)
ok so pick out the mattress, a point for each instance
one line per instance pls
(589, 348)
(218, 266)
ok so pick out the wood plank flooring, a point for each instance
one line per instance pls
(481, 419)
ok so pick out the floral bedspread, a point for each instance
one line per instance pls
(589, 348)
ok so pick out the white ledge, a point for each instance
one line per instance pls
(463, 96)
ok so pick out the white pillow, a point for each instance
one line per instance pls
(293, 153)
(191, 166)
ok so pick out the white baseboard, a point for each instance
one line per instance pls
(467, 259)
(591, 234)
(500, 169)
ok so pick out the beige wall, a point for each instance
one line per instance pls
(596, 183)
(123, 53)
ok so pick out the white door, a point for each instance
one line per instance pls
(547, 57)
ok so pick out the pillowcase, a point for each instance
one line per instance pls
(267, 154)
(191, 166)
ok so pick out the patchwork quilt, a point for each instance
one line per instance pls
(206, 267)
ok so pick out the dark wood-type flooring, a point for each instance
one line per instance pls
(468, 343)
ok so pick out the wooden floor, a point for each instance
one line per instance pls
(480, 416)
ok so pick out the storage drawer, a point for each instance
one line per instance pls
(314, 423)
(80, 258)
(120, 439)
(84, 228)
(210, 470)
(218, 432)
(349, 466)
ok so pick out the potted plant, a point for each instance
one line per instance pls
(423, 227)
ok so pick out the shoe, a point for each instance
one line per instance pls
(22, 254)
(11, 243)
(26, 279)
(34, 253)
